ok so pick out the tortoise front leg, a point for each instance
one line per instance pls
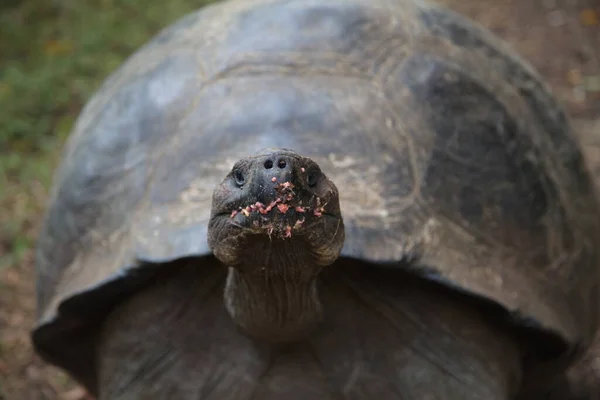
(392, 336)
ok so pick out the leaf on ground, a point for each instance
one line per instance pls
(589, 17)
(58, 47)
(574, 77)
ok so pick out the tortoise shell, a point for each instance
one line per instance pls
(452, 159)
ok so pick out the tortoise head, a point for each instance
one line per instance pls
(278, 195)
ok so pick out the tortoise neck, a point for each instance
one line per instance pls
(272, 294)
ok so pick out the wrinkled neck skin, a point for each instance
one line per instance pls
(272, 293)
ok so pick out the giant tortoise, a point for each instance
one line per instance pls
(309, 199)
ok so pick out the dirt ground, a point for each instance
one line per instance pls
(560, 37)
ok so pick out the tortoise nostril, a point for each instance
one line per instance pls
(281, 163)
(268, 164)
(239, 177)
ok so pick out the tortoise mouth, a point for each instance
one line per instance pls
(321, 235)
(277, 219)
(277, 209)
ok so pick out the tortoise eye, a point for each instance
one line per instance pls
(313, 177)
(239, 177)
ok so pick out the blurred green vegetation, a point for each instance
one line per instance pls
(53, 55)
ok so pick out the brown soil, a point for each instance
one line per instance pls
(560, 37)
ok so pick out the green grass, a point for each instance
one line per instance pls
(53, 55)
